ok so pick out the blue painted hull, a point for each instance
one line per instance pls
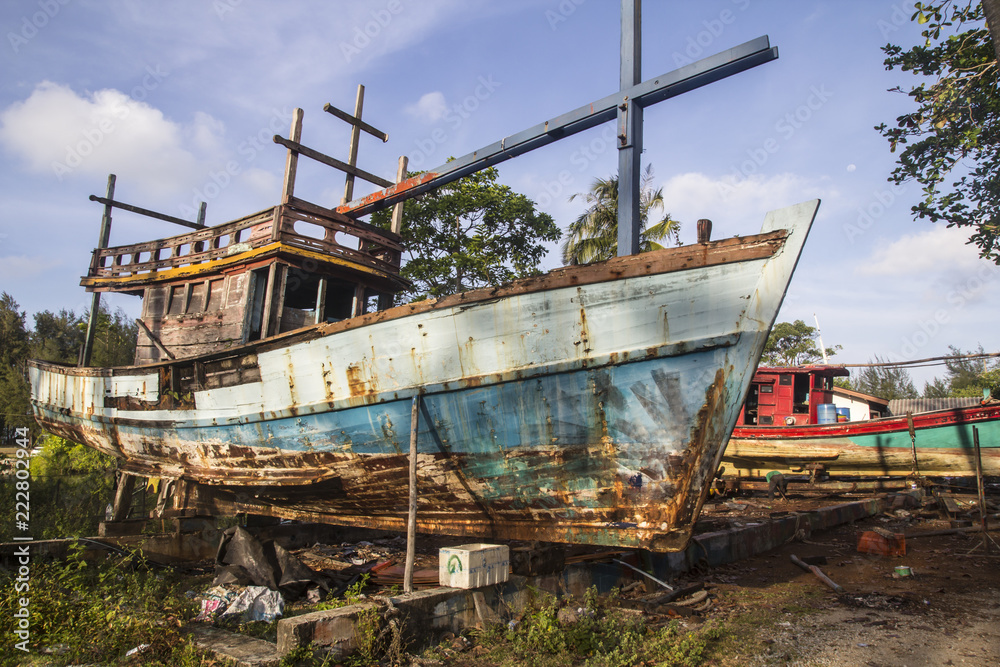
(575, 412)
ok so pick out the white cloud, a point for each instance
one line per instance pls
(430, 107)
(928, 252)
(55, 130)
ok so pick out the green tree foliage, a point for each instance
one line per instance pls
(593, 237)
(15, 408)
(888, 382)
(794, 344)
(967, 374)
(70, 484)
(954, 132)
(469, 234)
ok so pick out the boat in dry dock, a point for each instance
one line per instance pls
(591, 404)
(779, 429)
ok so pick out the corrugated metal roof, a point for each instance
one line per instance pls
(901, 406)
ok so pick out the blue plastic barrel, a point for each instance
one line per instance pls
(826, 413)
(843, 414)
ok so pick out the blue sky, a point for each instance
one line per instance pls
(180, 100)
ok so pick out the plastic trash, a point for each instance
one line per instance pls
(256, 603)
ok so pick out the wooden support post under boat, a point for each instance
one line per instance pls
(979, 485)
(411, 520)
(123, 497)
(154, 340)
(292, 161)
(95, 303)
(913, 442)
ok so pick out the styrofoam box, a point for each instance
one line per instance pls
(473, 565)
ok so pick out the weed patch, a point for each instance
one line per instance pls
(85, 612)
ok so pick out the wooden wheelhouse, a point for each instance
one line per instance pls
(275, 271)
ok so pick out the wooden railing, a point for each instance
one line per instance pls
(299, 224)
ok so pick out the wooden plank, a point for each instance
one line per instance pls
(294, 146)
(951, 505)
(291, 163)
(397, 209)
(269, 296)
(153, 339)
(108, 201)
(321, 300)
(352, 152)
(356, 121)
(279, 306)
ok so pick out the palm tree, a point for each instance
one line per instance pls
(593, 236)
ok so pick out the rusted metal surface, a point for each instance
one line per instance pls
(590, 405)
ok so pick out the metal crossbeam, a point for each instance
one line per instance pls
(651, 91)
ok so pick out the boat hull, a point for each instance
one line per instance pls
(943, 445)
(591, 405)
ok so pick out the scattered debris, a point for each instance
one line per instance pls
(255, 603)
(882, 542)
(819, 574)
(243, 560)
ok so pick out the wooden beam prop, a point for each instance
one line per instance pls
(154, 340)
(411, 519)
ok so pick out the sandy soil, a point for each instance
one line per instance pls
(948, 613)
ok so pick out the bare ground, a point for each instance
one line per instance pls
(948, 613)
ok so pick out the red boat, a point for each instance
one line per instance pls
(779, 429)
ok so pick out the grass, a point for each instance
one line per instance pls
(593, 633)
(87, 612)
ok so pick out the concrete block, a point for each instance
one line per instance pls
(473, 565)
(233, 649)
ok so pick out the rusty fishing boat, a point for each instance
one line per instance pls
(587, 405)
(591, 404)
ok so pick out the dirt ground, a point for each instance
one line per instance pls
(947, 613)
